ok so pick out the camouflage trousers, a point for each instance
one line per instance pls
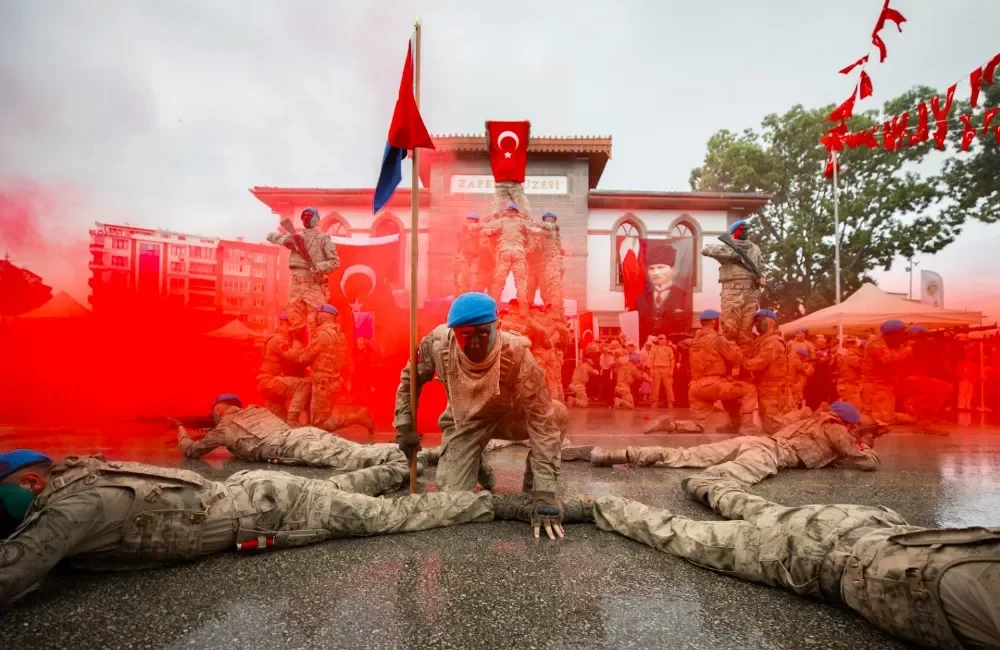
(305, 294)
(325, 390)
(796, 393)
(505, 191)
(739, 398)
(461, 452)
(663, 380)
(765, 541)
(879, 402)
(553, 377)
(923, 397)
(551, 280)
(297, 510)
(772, 404)
(511, 260)
(623, 397)
(740, 303)
(849, 391)
(748, 459)
(467, 273)
(578, 395)
(317, 448)
(279, 391)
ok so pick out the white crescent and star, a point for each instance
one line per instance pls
(354, 269)
(503, 136)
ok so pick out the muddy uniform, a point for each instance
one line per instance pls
(879, 374)
(504, 397)
(326, 356)
(257, 435)
(662, 362)
(280, 379)
(799, 372)
(467, 260)
(710, 382)
(512, 229)
(578, 387)
(767, 359)
(506, 192)
(118, 515)
(740, 291)
(308, 289)
(818, 441)
(552, 267)
(544, 342)
(849, 376)
(938, 588)
(626, 374)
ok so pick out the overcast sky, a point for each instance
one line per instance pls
(164, 113)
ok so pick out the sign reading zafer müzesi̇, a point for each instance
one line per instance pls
(469, 184)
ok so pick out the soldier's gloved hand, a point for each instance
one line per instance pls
(408, 440)
(547, 511)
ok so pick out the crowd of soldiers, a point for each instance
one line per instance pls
(934, 587)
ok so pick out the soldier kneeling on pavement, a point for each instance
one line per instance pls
(495, 389)
(257, 435)
(825, 439)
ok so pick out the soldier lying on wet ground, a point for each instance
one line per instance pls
(119, 515)
(495, 389)
(257, 435)
(825, 439)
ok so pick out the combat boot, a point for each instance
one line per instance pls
(577, 453)
(606, 457)
(487, 477)
(661, 425)
(699, 486)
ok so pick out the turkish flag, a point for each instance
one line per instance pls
(508, 147)
(587, 332)
(630, 251)
(362, 282)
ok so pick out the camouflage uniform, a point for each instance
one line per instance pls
(467, 260)
(326, 356)
(625, 374)
(505, 192)
(513, 233)
(280, 379)
(661, 362)
(769, 362)
(849, 376)
(578, 386)
(308, 289)
(545, 339)
(120, 515)
(799, 372)
(934, 587)
(518, 407)
(740, 291)
(879, 373)
(552, 268)
(710, 382)
(819, 441)
(257, 435)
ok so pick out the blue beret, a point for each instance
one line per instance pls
(892, 326)
(634, 358)
(709, 314)
(739, 224)
(473, 216)
(803, 330)
(511, 205)
(917, 329)
(846, 412)
(549, 214)
(228, 397)
(767, 313)
(283, 315)
(328, 309)
(309, 210)
(471, 309)
(17, 459)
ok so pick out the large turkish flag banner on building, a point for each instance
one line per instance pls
(508, 147)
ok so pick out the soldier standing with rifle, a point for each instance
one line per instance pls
(313, 256)
(741, 281)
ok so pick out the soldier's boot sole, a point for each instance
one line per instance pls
(660, 425)
(577, 453)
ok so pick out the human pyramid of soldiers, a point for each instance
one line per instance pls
(935, 587)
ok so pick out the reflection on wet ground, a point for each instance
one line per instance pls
(490, 585)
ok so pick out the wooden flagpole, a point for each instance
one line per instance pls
(414, 225)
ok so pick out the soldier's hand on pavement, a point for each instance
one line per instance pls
(408, 441)
(546, 511)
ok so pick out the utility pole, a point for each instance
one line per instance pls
(909, 269)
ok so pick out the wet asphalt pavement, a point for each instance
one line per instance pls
(491, 585)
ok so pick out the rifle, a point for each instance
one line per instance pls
(874, 430)
(727, 239)
(190, 421)
(298, 245)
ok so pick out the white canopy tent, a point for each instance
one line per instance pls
(869, 307)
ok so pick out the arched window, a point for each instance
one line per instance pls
(627, 236)
(335, 226)
(388, 224)
(684, 229)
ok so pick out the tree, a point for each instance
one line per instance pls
(883, 203)
(972, 178)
